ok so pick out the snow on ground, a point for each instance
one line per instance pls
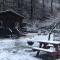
(10, 49)
(4, 43)
(19, 55)
(34, 37)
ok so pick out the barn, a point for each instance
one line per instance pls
(10, 23)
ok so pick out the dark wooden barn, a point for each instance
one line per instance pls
(9, 20)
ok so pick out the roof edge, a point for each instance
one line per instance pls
(13, 12)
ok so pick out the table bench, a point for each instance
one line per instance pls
(43, 49)
(52, 53)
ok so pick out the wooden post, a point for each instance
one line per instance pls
(40, 45)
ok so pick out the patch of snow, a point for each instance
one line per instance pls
(7, 43)
(12, 53)
(21, 55)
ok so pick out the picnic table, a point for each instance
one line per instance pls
(53, 52)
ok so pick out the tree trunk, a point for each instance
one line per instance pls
(51, 6)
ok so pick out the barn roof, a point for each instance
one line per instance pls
(10, 15)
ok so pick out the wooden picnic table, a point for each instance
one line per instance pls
(56, 45)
